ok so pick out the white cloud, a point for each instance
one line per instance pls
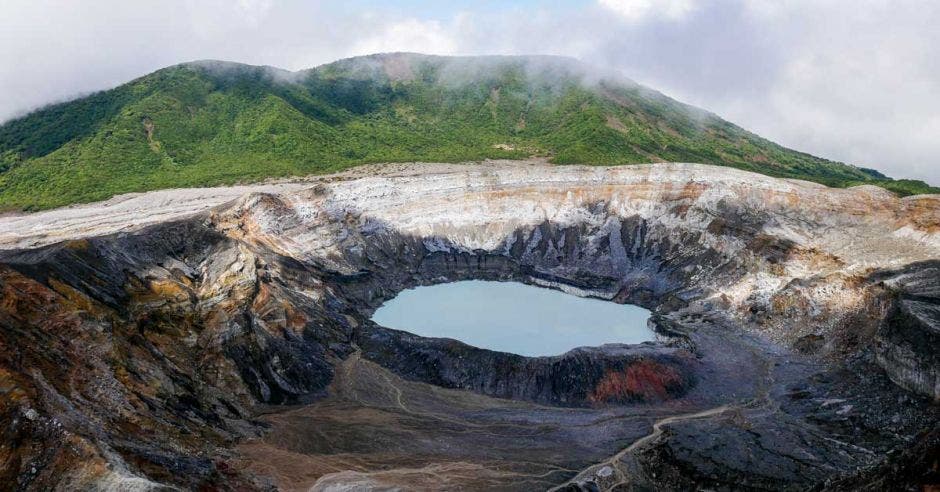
(415, 35)
(636, 10)
(254, 10)
(215, 18)
(865, 90)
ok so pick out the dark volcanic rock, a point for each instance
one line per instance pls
(581, 377)
(910, 333)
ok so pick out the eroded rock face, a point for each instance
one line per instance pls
(142, 358)
(909, 334)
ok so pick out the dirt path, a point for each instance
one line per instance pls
(658, 427)
(610, 467)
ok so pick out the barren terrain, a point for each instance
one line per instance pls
(216, 339)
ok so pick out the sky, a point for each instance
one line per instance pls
(850, 80)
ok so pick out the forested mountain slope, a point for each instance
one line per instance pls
(208, 123)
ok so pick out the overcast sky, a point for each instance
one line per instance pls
(852, 80)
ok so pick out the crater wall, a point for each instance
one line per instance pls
(144, 354)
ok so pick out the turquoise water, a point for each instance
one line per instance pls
(513, 317)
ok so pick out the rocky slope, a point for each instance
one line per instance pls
(232, 348)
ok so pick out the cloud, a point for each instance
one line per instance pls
(215, 18)
(851, 80)
(254, 10)
(415, 35)
(636, 10)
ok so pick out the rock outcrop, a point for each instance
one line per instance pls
(232, 348)
(910, 334)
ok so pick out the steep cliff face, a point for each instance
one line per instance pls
(909, 335)
(767, 250)
(143, 356)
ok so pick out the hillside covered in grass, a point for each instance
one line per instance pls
(210, 123)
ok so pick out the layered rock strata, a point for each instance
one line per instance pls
(232, 348)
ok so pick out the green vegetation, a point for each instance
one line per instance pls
(211, 123)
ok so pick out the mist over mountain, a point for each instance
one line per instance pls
(213, 122)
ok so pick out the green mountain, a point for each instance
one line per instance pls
(209, 123)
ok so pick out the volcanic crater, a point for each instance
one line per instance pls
(232, 348)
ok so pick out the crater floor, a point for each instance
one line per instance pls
(229, 345)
